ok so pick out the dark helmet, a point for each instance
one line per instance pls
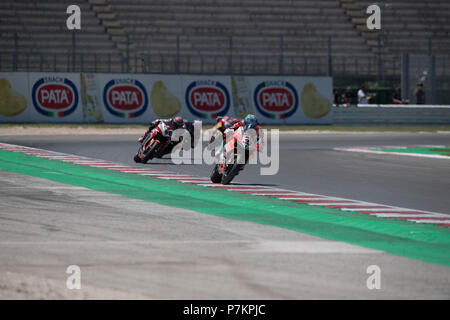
(177, 122)
(222, 120)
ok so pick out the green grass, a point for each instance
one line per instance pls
(317, 128)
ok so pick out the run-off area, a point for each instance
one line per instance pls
(128, 248)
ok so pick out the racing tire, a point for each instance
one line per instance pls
(216, 176)
(137, 159)
(151, 153)
(228, 177)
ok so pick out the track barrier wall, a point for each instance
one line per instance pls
(372, 114)
(35, 97)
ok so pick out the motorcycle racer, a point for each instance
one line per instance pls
(249, 137)
(157, 138)
(250, 123)
(194, 129)
(222, 123)
(171, 123)
(226, 122)
(244, 140)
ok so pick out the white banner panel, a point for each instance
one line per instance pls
(206, 97)
(15, 100)
(166, 96)
(55, 97)
(284, 100)
(139, 98)
(90, 97)
(124, 98)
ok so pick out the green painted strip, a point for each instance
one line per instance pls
(420, 150)
(420, 241)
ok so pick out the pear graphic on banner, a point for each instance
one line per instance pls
(163, 102)
(313, 104)
(12, 103)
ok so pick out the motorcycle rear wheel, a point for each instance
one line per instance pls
(216, 176)
(234, 171)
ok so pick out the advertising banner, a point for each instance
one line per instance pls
(55, 97)
(90, 98)
(166, 96)
(140, 98)
(124, 97)
(206, 97)
(284, 100)
(15, 99)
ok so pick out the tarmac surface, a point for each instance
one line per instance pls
(131, 249)
(128, 248)
(308, 163)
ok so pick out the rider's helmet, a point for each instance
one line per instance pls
(221, 121)
(177, 122)
(251, 121)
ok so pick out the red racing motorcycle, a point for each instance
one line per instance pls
(154, 144)
(235, 156)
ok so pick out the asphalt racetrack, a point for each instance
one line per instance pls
(130, 248)
(308, 163)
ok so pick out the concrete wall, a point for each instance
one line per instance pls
(392, 114)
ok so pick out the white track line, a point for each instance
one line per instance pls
(330, 204)
(233, 186)
(375, 209)
(370, 150)
(300, 198)
(191, 179)
(393, 215)
(318, 200)
(432, 221)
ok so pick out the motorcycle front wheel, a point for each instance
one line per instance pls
(216, 176)
(151, 153)
(227, 177)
